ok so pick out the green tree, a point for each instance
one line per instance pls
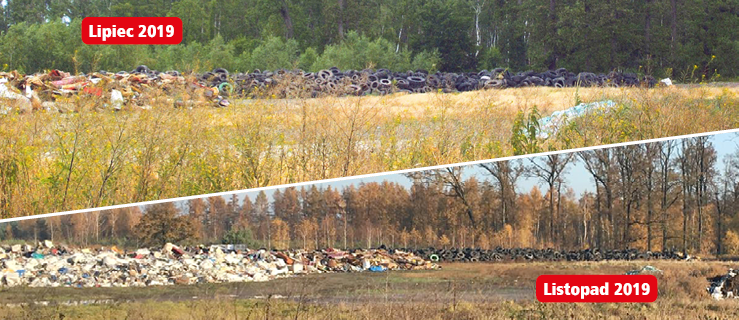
(445, 27)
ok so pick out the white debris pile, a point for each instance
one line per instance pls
(724, 286)
(47, 265)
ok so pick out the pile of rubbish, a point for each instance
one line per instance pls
(724, 286)
(138, 87)
(47, 265)
(528, 254)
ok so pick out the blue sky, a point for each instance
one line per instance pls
(576, 176)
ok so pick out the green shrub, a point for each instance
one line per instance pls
(427, 60)
(359, 52)
(275, 53)
(307, 59)
(242, 236)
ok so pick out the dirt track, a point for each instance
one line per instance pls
(470, 282)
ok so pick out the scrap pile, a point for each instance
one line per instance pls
(724, 286)
(139, 87)
(47, 265)
(50, 91)
(528, 254)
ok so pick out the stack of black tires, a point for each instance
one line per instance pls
(298, 83)
(528, 254)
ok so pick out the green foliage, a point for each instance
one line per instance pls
(427, 60)
(220, 54)
(197, 28)
(648, 37)
(243, 236)
(360, 52)
(439, 19)
(525, 129)
(307, 59)
(490, 58)
(275, 53)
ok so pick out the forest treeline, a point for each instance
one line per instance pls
(681, 39)
(671, 194)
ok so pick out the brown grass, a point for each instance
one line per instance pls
(55, 162)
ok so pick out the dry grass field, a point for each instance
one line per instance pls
(458, 291)
(54, 162)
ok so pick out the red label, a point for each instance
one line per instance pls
(133, 30)
(596, 288)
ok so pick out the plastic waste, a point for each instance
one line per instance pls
(644, 270)
(724, 286)
(116, 99)
(377, 269)
(46, 265)
(549, 125)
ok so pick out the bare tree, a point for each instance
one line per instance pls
(628, 158)
(506, 175)
(550, 172)
(666, 184)
(598, 163)
(651, 151)
(451, 179)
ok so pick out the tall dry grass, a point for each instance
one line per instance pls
(52, 162)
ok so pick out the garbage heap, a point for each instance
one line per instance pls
(529, 254)
(47, 265)
(139, 87)
(724, 286)
(52, 91)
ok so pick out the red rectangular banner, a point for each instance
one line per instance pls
(131, 30)
(596, 288)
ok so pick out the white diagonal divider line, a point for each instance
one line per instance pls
(370, 175)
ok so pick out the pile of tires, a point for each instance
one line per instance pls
(528, 254)
(297, 83)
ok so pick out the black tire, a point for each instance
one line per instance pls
(220, 70)
(403, 84)
(416, 82)
(142, 69)
(558, 82)
(324, 74)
